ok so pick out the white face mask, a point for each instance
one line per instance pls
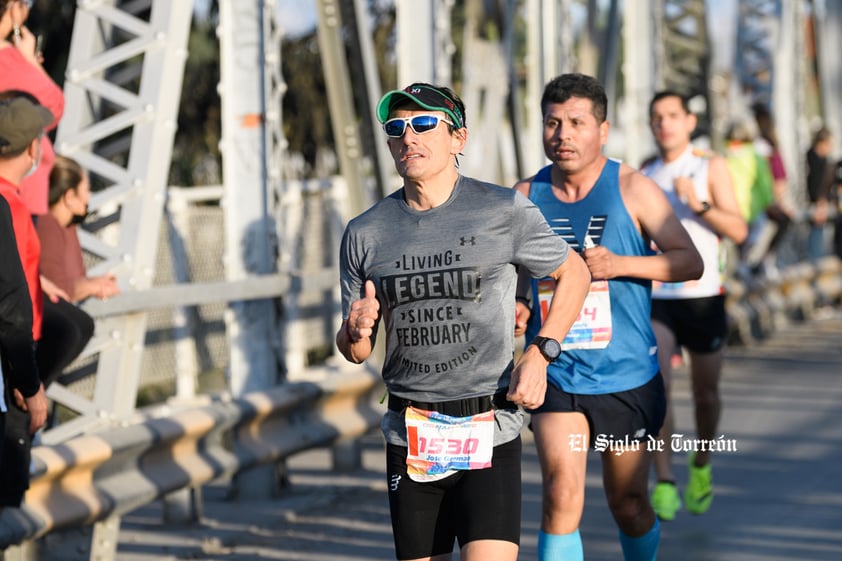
(35, 161)
(32, 169)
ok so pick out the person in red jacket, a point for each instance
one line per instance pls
(21, 69)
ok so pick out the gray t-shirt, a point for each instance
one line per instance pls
(445, 279)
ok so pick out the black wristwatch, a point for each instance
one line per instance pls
(704, 209)
(550, 348)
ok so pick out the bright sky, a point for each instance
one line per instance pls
(297, 16)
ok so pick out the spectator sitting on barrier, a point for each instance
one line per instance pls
(22, 124)
(61, 253)
(61, 263)
(819, 182)
(780, 212)
(837, 232)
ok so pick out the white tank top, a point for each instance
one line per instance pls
(692, 163)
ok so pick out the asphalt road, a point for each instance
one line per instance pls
(778, 496)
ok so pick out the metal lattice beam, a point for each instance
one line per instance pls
(683, 52)
(122, 91)
(771, 70)
(757, 25)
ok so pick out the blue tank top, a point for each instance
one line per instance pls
(630, 359)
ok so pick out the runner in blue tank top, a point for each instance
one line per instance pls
(604, 389)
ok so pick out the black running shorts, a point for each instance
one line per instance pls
(699, 324)
(482, 504)
(636, 413)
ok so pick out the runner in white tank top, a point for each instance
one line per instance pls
(692, 314)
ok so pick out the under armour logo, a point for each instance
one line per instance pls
(393, 484)
(465, 241)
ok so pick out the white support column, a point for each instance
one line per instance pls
(789, 97)
(104, 539)
(184, 317)
(341, 104)
(829, 41)
(484, 90)
(383, 160)
(250, 233)
(548, 38)
(251, 146)
(424, 45)
(639, 76)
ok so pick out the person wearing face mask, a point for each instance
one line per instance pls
(22, 124)
(21, 69)
(61, 254)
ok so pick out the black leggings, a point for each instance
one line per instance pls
(65, 330)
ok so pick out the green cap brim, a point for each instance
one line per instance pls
(424, 96)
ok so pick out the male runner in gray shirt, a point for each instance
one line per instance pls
(437, 261)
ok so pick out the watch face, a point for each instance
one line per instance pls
(551, 348)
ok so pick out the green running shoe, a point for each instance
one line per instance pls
(665, 500)
(699, 492)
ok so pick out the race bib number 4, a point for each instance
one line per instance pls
(592, 329)
(439, 443)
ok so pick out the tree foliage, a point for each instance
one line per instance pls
(196, 157)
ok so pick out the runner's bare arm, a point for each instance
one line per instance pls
(529, 377)
(678, 259)
(356, 337)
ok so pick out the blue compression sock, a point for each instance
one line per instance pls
(560, 547)
(644, 548)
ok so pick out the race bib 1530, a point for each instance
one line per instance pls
(439, 443)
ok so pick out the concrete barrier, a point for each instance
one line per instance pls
(759, 305)
(95, 477)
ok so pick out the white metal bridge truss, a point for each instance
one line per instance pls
(122, 90)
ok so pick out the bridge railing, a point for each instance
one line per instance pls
(186, 339)
(93, 478)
